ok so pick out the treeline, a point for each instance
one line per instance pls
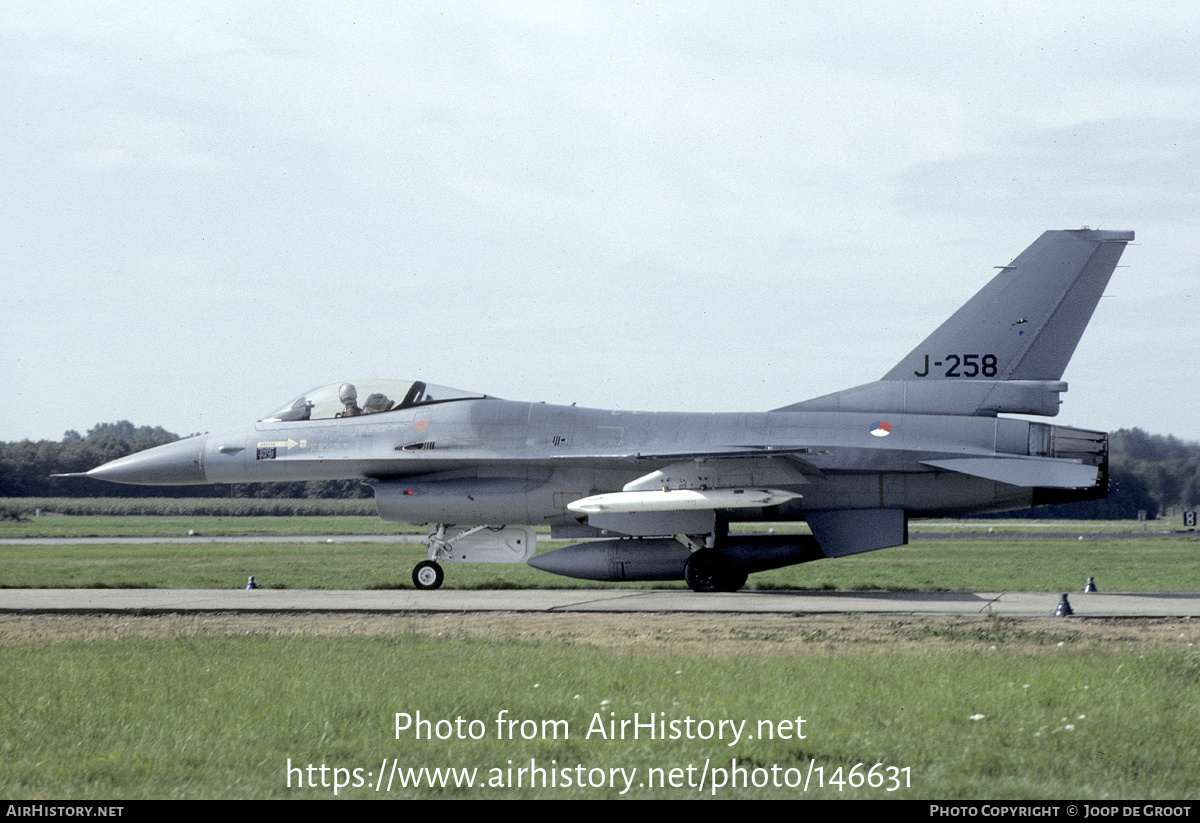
(1155, 473)
(26, 466)
(1127, 495)
(1158, 474)
(1167, 466)
(20, 508)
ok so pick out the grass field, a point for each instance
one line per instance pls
(118, 707)
(1136, 564)
(1139, 561)
(55, 525)
(982, 709)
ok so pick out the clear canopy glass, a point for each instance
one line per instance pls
(358, 397)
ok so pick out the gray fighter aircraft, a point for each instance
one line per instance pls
(652, 495)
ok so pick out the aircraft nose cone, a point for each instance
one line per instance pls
(175, 464)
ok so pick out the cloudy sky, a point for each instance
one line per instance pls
(211, 207)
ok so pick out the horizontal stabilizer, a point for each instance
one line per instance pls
(1026, 472)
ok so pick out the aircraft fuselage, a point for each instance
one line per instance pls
(655, 492)
(527, 461)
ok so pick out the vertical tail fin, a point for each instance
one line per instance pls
(1025, 323)
(1006, 349)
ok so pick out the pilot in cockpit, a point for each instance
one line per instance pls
(349, 397)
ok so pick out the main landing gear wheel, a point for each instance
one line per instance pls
(428, 575)
(707, 570)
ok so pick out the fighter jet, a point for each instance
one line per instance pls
(652, 496)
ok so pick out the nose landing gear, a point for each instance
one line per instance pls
(428, 575)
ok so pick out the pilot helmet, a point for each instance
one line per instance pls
(347, 394)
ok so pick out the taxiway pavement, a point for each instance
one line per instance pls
(967, 604)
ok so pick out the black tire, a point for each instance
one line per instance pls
(707, 570)
(428, 575)
(735, 581)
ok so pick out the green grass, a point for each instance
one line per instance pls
(1152, 564)
(220, 717)
(163, 517)
(195, 716)
(181, 526)
(1144, 562)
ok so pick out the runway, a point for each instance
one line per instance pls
(1024, 605)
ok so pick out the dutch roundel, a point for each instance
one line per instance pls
(881, 429)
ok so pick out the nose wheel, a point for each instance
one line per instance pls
(428, 575)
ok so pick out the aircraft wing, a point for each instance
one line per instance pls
(1027, 472)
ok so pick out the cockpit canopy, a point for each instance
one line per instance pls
(358, 397)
